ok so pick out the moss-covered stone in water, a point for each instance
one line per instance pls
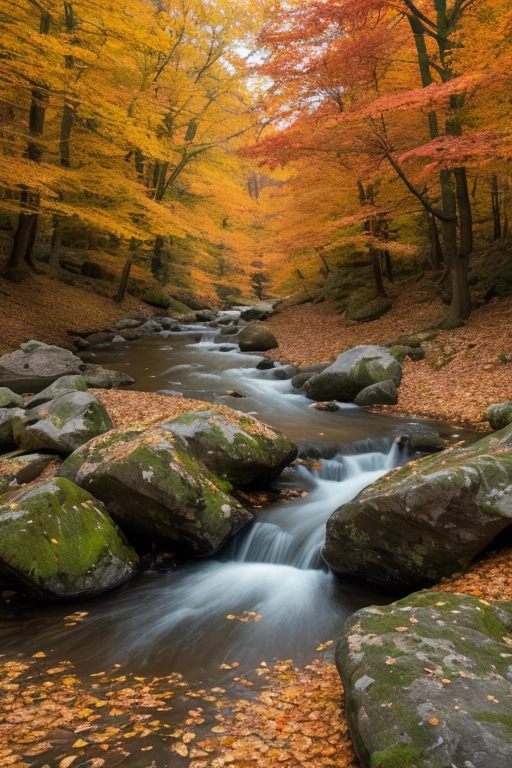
(238, 449)
(156, 489)
(58, 541)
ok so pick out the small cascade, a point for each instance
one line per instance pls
(293, 533)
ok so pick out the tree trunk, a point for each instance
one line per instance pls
(123, 283)
(460, 307)
(377, 273)
(387, 265)
(495, 203)
(66, 126)
(55, 248)
(160, 184)
(436, 253)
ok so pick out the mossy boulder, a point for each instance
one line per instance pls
(156, 297)
(157, 491)
(381, 393)
(353, 371)
(256, 337)
(428, 682)
(238, 449)
(426, 520)
(57, 541)
(63, 424)
(499, 415)
(10, 421)
(63, 384)
(102, 378)
(9, 399)
(35, 359)
(367, 311)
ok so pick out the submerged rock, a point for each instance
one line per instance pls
(428, 682)
(353, 371)
(156, 490)
(63, 424)
(426, 520)
(239, 449)
(57, 541)
(103, 378)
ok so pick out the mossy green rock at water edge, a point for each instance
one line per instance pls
(499, 415)
(428, 519)
(57, 541)
(35, 359)
(428, 682)
(156, 490)
(353, 371)
(239, 449)
(65, 423)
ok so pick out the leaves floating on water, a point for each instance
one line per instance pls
(245, 617)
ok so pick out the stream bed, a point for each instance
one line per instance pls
(272, 573)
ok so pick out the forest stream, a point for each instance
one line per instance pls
(271, 574)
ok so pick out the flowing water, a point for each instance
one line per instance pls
(176, 620)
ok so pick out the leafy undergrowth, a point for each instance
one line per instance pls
(490, 578)
(46, 309)
(477, 372)
(50, 716)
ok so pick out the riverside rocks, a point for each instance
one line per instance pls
(256, 337)
(59, 542)
(499, 415)
(428, 682)
(155, 489)
(353, 371)
(69, 420)
(35, 359)
(426, 520)
(240, 450)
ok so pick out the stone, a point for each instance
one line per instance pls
(368, 310)
(256, 312)
(101, 337)
(266, 364)
(62, 384)
(17, 470)
(205, 315)
(381, 393)
(284, 372)
(129, 334)
(425, 443)
(499, 415)
(425, 520)
(157, 492)
(118, 340)
(169, 393)
(9, 399)
(353, 371)
(10, 421)
(122, 325)
(103, 378)
(238, 449)
(57, 541)
(64, 423)
(37, 360)
(435, 693)
(150, 326)
(255, 337)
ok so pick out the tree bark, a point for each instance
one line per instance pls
(436, 252)
(377, 272)
(125, 275)
(460, 307)
(495, 203)
(56, 244)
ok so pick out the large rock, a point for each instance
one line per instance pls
(156, 490)
(382, 393)
(103, 378)
(35, 359)
(238, 449)
(63, 384)
(499, 415)
(426, 520)
(353, 371)
(65, 423)
(257, 312)
(10, 421)
(367, 311)
(428, 682)
(57, 541)
(255, 337)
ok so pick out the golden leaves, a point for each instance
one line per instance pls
(245, 617)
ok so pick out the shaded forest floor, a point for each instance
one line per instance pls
(474, 372)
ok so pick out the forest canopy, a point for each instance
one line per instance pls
(255, 148)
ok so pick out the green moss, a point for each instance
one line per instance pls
(493, 717)
(418, 559)
(398, 756)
